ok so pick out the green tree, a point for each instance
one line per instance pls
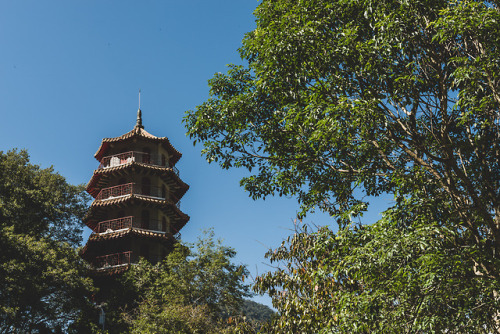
(39, 202)
(346, 99)
(43, 288)
(379, 278)
(42, 279)
(194, 290)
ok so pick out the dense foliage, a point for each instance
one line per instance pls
(42, 279)
(194, 290)
(345, 99)
(380, 278)
(42, 283)
(39, 202)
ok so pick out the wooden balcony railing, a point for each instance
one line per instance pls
(128, 222)
(127, 157)
(136, 189)
(111, 192)
(112, 260)
(131, 188)
(115, 224)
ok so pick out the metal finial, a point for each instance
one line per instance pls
(139, 114)
(139, 119)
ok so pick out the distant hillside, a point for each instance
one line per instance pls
(255, 311)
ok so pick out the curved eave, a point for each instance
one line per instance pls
(178, 225)
(138, 132)
(180, 218)
(95, 239)
(93, 188)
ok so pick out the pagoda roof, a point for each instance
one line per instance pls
(95, 237)
(138, 132)
(98, 237)
(93, 188)
(165, 205)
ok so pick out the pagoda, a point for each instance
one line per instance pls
(136, 209)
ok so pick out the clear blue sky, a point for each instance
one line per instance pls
(70, 72)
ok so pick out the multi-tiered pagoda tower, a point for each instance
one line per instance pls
(135, 212)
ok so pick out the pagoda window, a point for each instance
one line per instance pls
(146, 186)
(163, 160)
(146, 157)
(163, 224)
(163, 191)
(145, 219)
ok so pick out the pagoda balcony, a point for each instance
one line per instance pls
(131, 189)
(128, 157)
(134, 189)
(112, 260)
(130, 222)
